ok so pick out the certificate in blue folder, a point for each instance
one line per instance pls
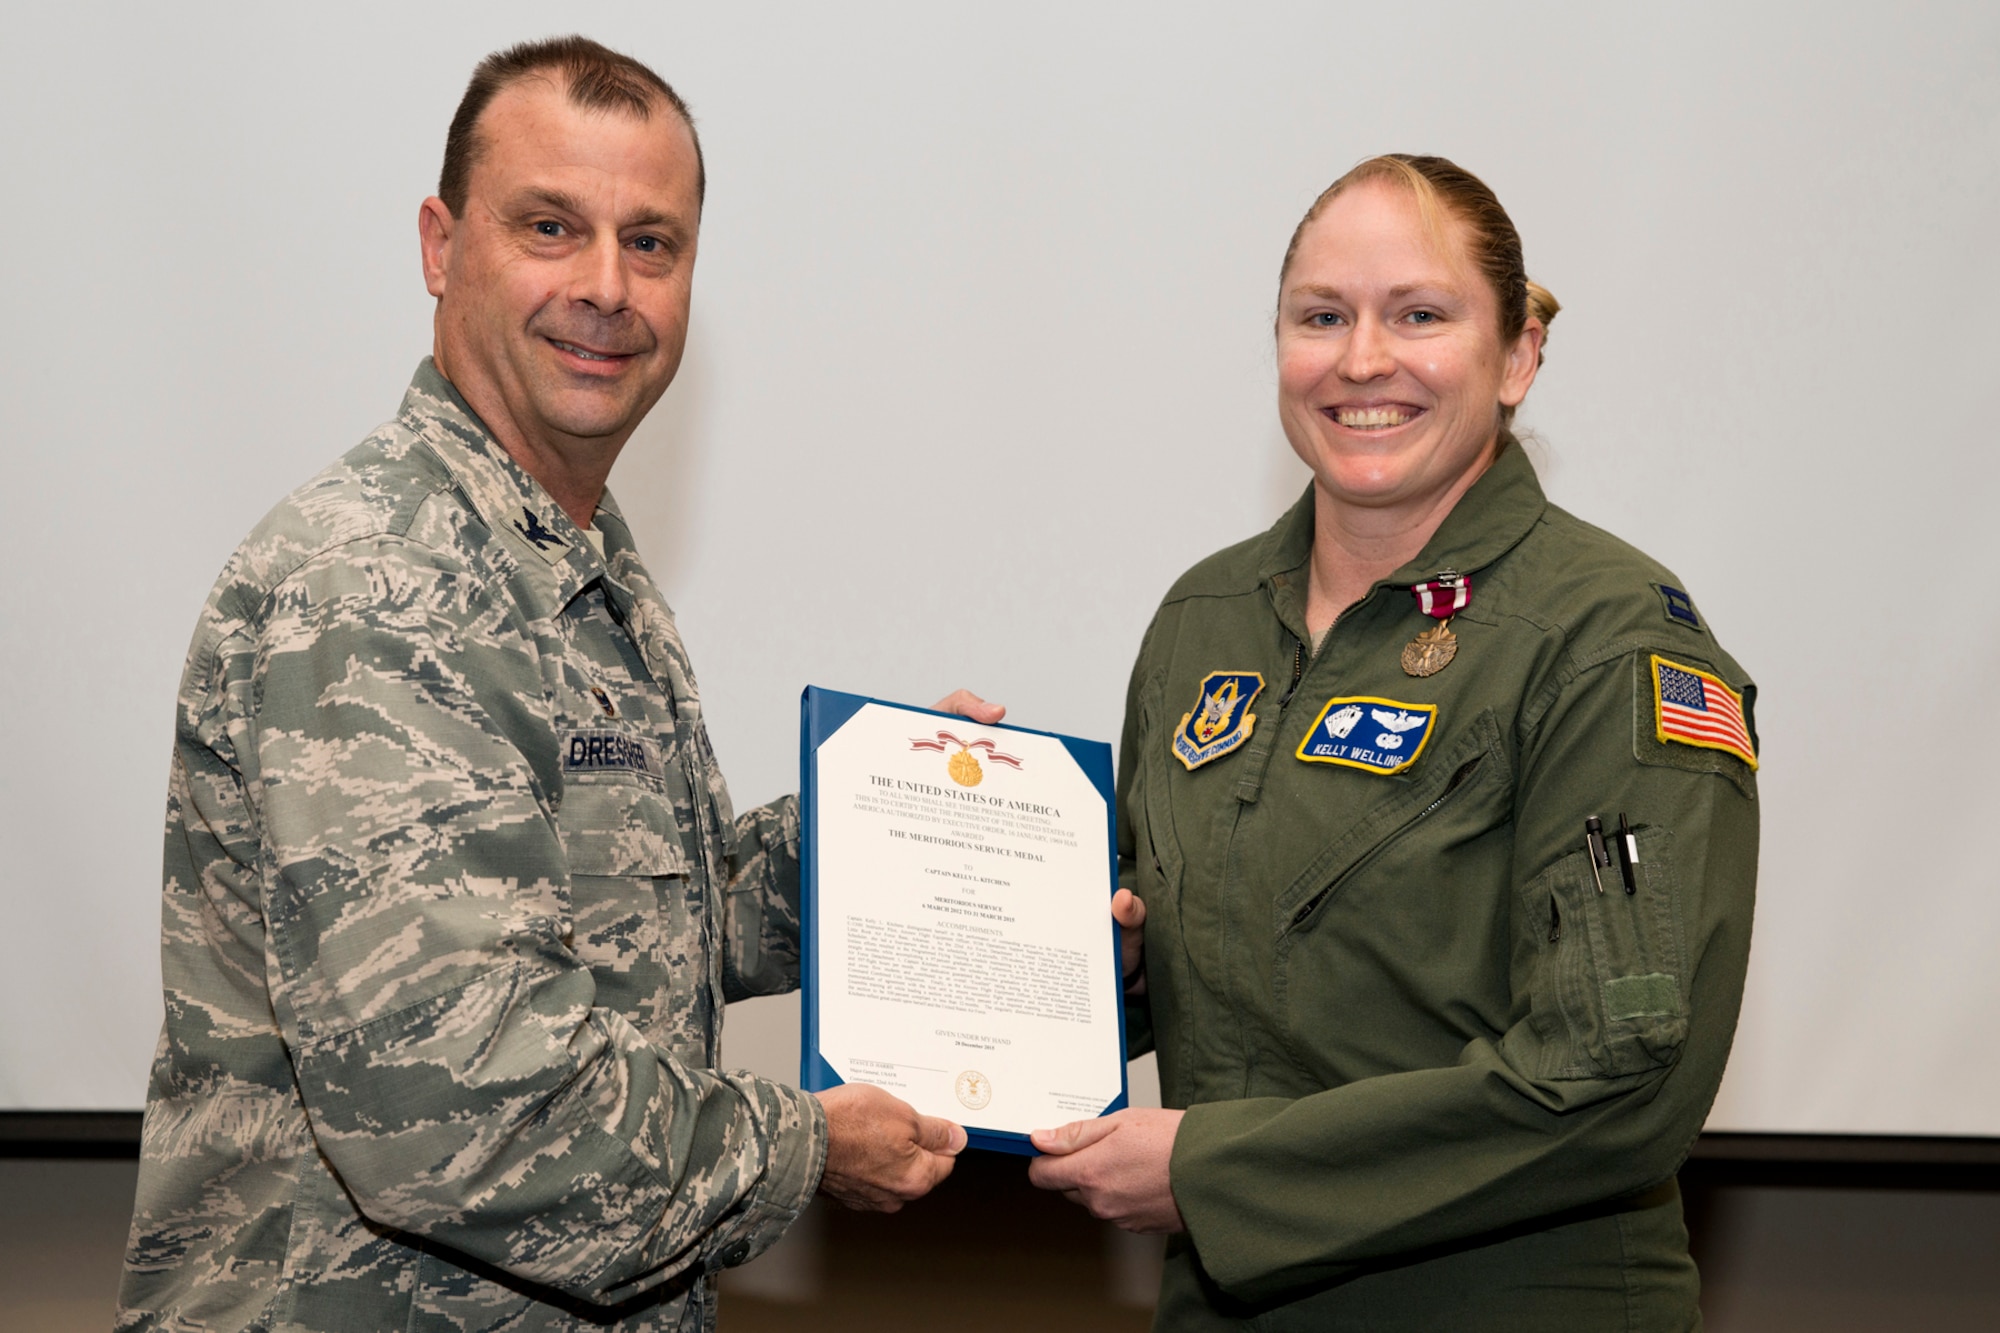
(956, 885)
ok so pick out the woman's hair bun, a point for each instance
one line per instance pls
(1542, 303)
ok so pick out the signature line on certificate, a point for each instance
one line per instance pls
(897, 1064)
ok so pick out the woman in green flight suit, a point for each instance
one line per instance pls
(1432, 1050)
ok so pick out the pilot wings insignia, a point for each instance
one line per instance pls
(1221, 718)
(1337, 738)
(1397, 723)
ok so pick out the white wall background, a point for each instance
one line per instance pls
(967, 263)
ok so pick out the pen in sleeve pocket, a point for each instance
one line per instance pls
(1593, 846)
(1628, 854)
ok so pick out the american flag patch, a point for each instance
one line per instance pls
(1692, 707)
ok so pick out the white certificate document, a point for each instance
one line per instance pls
(959, 949)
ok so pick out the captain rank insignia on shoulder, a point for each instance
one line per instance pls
(1221, 719)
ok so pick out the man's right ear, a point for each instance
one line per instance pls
(435, 226)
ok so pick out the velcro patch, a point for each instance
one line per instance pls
(606, 751)
(1693, 707)
(1360, 731)
(1651, 995)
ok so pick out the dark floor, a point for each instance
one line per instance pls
(985, 1251)
(988, 1253)
(62, 1237)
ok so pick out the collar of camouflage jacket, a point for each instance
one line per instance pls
(1487, 522)
(512, 503)
(541, 536)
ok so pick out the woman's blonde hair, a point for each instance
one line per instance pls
(1443, 188)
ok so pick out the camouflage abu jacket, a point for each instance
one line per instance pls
(453, 901)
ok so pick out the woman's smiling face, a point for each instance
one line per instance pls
(1391, 370)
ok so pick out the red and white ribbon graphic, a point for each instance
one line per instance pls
(985, 746)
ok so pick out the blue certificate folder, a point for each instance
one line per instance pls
(822, 714)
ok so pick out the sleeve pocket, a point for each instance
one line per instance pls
(1611, 991)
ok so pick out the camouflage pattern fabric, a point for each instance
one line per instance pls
(453, 901)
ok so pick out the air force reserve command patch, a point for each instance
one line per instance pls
(1221, 719)
(1379, 735)
(1692, 707)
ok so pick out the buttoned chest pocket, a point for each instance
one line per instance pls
(635, 920)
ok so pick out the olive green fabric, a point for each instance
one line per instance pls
(1434, 1077)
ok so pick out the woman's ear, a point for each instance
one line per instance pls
(1524, 359)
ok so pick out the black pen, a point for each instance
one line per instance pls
(1593, 846)
(1628, 854)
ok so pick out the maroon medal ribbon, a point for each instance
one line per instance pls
(1444, 596)
(1440, 598)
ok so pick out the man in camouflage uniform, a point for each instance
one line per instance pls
(454, 896)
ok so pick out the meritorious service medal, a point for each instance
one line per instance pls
(963, 766)
(1441, 598)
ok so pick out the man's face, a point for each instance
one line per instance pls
(563, 286)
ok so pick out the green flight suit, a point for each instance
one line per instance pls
(1434, 1078)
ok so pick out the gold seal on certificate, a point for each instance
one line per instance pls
(973, 1089)
(959, 949)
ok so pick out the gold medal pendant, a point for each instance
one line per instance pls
(964, 769)
(1431, 651)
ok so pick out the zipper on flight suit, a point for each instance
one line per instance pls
(1250, 784)
(1464, 771)
(1299, 645)
(1298, 671)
